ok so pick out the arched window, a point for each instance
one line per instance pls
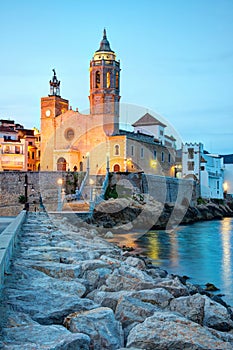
(116, 150)
(97, 79)
(61, 164)
(108, 79)
(116, 168)
(117, 80)
(81, 166)
(162, 157)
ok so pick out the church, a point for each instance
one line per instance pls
(94, 142)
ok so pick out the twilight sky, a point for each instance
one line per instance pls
(176, 60)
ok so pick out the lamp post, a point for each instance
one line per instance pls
(26, 205)
(59, 199)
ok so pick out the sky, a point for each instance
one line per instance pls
(176, 60)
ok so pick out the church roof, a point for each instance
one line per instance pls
(104, 44)
(139, 137)
(148, 119)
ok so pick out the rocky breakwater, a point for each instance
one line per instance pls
(71, 289)
(128, 214)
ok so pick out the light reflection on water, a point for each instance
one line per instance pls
(202, 251)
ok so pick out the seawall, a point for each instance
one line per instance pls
(163, 189)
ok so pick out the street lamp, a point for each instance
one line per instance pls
(59, 201)
(26, 183)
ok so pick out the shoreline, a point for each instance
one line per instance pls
(70, 288)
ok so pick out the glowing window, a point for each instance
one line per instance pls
(108, 79)
(97, 79)
(117, 80)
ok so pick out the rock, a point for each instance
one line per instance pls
(108, 299)
(158, 296)
(127, 278)
(210, 287)
(174, 286)
(191, 307)
(130, 310)
(165, 330)
(47, 306)
(135, 262)
(216, 316)
(127, 227)
(129, 348)
(36, 337)
(113, 262)
(109, 234)
(96, 278)
(26, 276)
(100, 325)
(227, 337)
(59, 270)
(156, 272)
(73, 288)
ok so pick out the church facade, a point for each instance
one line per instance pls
(71, 140)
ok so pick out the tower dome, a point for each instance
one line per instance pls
(105, 52)
(104, 44)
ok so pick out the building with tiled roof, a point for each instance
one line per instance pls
(19, 147)
(93, 142)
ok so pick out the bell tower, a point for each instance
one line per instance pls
(51, 106)
(105, 86)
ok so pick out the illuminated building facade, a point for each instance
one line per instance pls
(19, 147)
(71, 140)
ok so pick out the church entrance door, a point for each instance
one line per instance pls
(61, 164)
(116, 168)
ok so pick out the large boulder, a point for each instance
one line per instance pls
(107, 299)
(165, 330)
(130, 310)
(216, 316)
(59, 270)
(191, 307)
(37, 337)
(128, 278)
(157, 296)
(135, 262)
(174, 286)
(47, 307)
(100, 325)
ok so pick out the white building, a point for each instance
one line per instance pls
(150, 125)
(205, 168)
(228, 174)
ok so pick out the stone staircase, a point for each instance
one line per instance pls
(77, 206)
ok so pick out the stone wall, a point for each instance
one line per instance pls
(171, 190)
(163, 189)
(44, 183)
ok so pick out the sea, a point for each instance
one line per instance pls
(202, 251)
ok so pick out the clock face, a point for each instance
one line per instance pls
(47, 113)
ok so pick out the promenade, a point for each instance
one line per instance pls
(4, 222)
(68, 288)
